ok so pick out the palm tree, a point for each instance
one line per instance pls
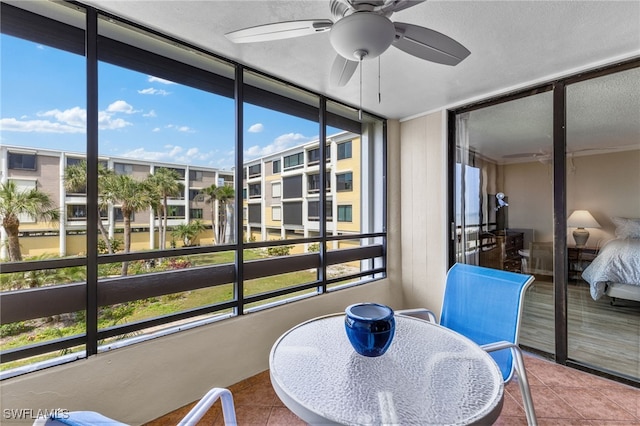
(188, 231)
(165, 183)
(13, 203)
(224, 195)
(211, 195)
(75, 180)
(132, 196)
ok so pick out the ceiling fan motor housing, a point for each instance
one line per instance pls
(362, 33)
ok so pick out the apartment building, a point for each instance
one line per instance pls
(282, 191)
(281, 196)
(44, 169)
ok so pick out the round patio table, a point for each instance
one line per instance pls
(429, 375)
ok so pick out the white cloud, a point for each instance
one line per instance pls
(153, 91)
(37, 126)
(121, 106)
(171, 153)
(155, 130)
(256, 128)
(72, 120)
(153, 79)
(282, 142)
(184, 129)
(151, 113)
(75, 116)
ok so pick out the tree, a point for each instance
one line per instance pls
(164, 183)
(188, 231)
(132, 196)
(224, 195)
(75, 180)
(14, 203)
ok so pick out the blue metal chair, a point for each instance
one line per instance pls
(485, 305)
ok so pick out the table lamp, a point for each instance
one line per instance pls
(581, 219)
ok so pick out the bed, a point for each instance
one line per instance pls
(616, 270)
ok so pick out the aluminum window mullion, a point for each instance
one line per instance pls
(91, 41)
(239, 207)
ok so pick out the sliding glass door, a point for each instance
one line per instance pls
(503, 200)
(528, 167)
(603, 204)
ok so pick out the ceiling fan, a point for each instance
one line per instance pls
(359, 30)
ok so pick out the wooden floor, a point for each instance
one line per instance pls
(601, 335)
(562, 396)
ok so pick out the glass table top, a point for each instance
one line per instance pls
(429, 375)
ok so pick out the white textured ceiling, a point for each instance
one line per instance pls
(511, 42)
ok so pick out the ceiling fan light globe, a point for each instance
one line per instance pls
(362, 31)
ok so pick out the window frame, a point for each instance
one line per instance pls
(46, 30)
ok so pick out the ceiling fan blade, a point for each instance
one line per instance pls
(280, 30)
(342, 70)
(397, 5)
(428, 44)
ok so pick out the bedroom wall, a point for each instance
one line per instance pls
(605, 184)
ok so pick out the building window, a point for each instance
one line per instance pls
(195, 195)
(255, 213)
(175, 212)
(195, 214)
(344, 182)
(344, 213)
(313, 210)
(76, 212)
(313, 155)
(276, 190)
(276, 213)
(195, 175)
(254, 171)
(74, 161)
(123, 169)
(180, 172)
(292, 213)
(255, 190)
(292, 186)
(275, 166)
(344, 150)
(22, 161)
(313, 183)
(295, 160)
(119, 217)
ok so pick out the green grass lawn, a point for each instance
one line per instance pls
(73, 324)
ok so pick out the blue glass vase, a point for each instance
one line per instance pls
(370, 328)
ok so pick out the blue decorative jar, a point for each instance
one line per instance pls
(370, 328)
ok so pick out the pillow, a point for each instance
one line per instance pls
(626, 228)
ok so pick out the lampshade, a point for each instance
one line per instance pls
(582, 219)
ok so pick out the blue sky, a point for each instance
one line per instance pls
(141, 116)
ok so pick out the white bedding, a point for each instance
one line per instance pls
(617, 262)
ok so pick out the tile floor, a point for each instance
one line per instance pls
(562, 396)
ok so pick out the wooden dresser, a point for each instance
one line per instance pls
(499, 250)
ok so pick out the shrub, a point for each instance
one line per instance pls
(179, 263)
(14, 328)
(279, 250)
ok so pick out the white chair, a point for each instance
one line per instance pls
(91, 418)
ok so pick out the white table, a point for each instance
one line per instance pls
(429, 375)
